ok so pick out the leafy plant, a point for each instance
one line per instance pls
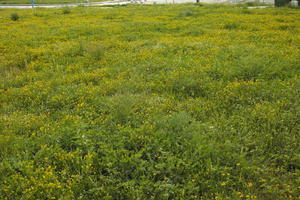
(14, 16)
(66, 10)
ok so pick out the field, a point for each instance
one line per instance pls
(39, 2)
(157, 102)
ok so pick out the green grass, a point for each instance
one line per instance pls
(38, 2)
(150, 102)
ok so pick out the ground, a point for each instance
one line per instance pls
(39, 2)
(150, 102)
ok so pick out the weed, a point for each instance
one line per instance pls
(186, 13)
(194, 32)
(95, 50)
(232, 26)
(286, 27)
(14, 16)
(66, 10)
(247, 11)
(38, 14)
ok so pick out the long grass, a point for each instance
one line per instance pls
(39, 2)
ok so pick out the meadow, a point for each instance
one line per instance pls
(158, 102)
(39, 2)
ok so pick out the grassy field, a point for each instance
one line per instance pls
(156, 102)
(45, 1)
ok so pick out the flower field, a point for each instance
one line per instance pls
(161, 102)
(39, 2)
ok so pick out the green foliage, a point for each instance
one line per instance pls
(95, 50)
(14, 16)
(186, 13)
(252, 4)
(45, 1)
(247, 11)
(232, 26)
(150, 102)
(66, 10)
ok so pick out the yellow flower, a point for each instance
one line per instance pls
(249, 184)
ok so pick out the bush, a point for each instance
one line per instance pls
(66, 10)
(14, 16)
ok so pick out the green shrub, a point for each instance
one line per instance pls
(14, 16)
(66, 10)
